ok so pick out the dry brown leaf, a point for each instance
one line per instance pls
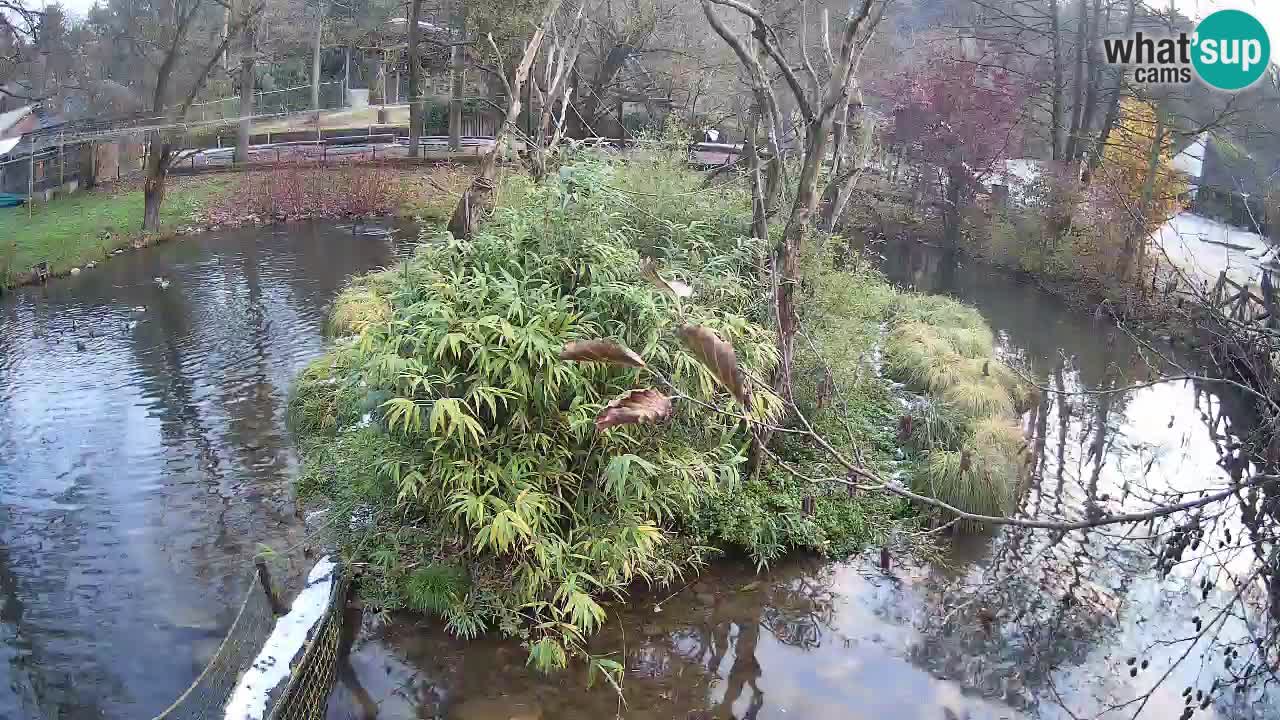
(718, 357)
(674, 288)
(637, 406)
(605, 351)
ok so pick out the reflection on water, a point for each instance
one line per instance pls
(804, 641)
(143, 458)
(1024, 624)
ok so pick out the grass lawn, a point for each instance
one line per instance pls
(330, 119)
(70, 231)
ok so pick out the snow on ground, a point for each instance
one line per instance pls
(1203, 248)
(271, 668)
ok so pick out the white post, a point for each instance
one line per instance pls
(31, 178)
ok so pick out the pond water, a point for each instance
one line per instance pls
(143, 460)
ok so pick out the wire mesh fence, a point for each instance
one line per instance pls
(307, 693)
(208, 694)
(310, 680)
(281, 101)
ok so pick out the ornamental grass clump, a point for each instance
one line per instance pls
(965, 436)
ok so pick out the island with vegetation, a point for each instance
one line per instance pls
(484, 471)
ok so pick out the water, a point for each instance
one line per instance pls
(144, 459)
(1022, 625)
(140, 469)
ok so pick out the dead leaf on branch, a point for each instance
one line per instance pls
(718, 357)
(605, 351)
(636, 407)
(674, 288)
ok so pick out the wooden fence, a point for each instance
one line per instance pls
(1237, 301)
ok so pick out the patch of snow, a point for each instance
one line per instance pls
(252, 694)
(361, 518)
(1025, 170)
(1204, 248)
(365, 421)
(1191, 160)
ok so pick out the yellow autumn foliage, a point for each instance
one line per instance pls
(1126, 161)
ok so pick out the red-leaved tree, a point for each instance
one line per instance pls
(960, 121)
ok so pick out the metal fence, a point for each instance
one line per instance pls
(282, 101)
(36, 170)
(307, 691)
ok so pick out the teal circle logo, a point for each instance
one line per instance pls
(1231, 50)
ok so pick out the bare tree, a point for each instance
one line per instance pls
(553, 88)
(478, 200)
(415, 72)
(177, 28)
(817, 108)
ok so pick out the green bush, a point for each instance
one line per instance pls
(486, 437)
(837, 387)
(459, 454)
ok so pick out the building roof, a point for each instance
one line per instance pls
(11, 118)
(7, 144)
(1191, 159)
(1230, 165)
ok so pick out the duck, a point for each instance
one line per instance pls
(162, 283)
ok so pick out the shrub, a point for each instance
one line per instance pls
(836, 386)
(300, 191)
(499, 504)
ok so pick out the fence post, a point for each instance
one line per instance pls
(264, 578)
(31, 178)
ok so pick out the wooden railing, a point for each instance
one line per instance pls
(1238, 301)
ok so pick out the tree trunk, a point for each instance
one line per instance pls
(844, 170)
(455, 98)
(1135, 241)
(759, 214)
(315, 67)
(1077, 92)
(1113, 102)
(247, 58)
(951, 208)
(1055, 107)
(1095, 80)
(786, 255)
(415, 71)
(457, 63)
(154, 175)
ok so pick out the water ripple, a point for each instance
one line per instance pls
(143, 458)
